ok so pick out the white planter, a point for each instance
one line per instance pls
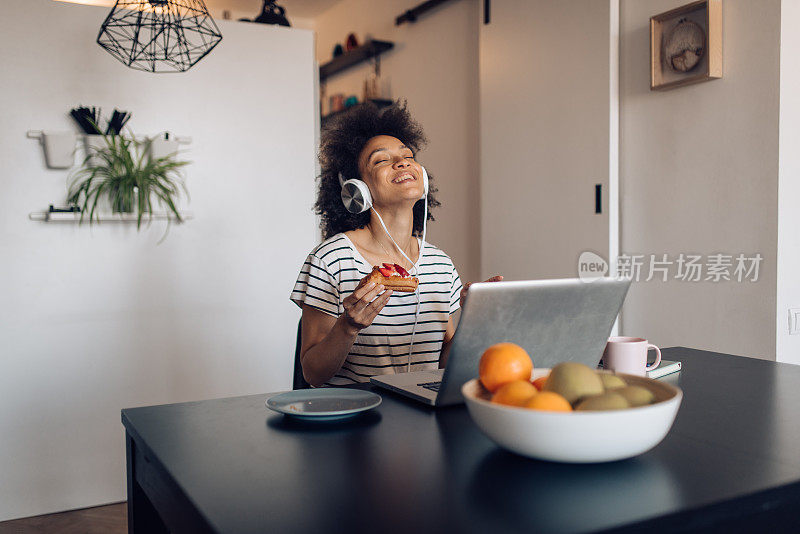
(59, 149)
(161, 148)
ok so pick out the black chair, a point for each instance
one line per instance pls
(299, 381)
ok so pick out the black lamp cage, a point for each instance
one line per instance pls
(159, 35)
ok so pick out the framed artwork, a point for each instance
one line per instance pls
(686, 45)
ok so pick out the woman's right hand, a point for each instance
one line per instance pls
(496, 278)
(363, 305)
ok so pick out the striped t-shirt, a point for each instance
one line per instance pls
(333, 270)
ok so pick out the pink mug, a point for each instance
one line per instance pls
(629, 355)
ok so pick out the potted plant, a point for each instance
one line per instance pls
(123, 173)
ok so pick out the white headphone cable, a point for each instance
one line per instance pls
(399, 248)
(414, 268)
(413, 331)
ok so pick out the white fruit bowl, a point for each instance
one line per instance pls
(576, 437)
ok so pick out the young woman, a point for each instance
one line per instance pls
(350, 333)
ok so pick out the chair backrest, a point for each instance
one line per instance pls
(299, 381)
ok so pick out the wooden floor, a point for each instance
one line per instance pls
(109, 519)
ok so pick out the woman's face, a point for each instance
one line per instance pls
(389, 169)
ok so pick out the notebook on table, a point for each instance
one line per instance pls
(666, 367)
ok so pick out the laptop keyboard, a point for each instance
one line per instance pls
(433, 386)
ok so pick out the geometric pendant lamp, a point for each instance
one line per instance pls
(159, 35)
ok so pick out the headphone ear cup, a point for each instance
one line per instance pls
(356, 196)
(425, 182)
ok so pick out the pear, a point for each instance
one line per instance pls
(573, 381)
(636, 395)
(611, 381)
(610, 400)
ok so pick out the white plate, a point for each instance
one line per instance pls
(323, 404)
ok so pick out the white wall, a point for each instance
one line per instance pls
(698, 174)
(788, 283)
(98, 319)
(434, 66)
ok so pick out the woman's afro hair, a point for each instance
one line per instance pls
(340, 147)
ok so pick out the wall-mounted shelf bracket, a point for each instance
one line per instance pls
(60, 147)
(75, 217)
(180, 139)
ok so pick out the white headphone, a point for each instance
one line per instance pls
(357, 198)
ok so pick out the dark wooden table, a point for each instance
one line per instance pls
(731, 460)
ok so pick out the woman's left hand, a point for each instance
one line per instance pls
(496, 278)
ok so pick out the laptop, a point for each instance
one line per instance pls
(554, 320)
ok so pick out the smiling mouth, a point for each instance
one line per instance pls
(403, 178)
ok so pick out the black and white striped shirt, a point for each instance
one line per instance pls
(333, 270)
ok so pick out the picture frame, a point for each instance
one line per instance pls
(686, 45)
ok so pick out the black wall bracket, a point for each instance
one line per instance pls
(412, 14)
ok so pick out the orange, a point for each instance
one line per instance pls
(515, 393)
(539, 382)
(549, 402)
(503, 363)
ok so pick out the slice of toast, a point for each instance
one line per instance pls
(395, 282)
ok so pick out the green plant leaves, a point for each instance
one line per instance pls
(123, 172)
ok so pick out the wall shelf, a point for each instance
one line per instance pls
(380, 102)
(368, 50)
(60, 147)
(183, 140)
(75, 217)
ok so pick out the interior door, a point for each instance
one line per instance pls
(547, 136)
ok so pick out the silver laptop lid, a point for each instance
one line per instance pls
(554, 320)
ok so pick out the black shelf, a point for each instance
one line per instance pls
(380, 102)
(364, 52)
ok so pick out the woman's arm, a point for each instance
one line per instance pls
(327, 340)
(449, 332)
(451, 329)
